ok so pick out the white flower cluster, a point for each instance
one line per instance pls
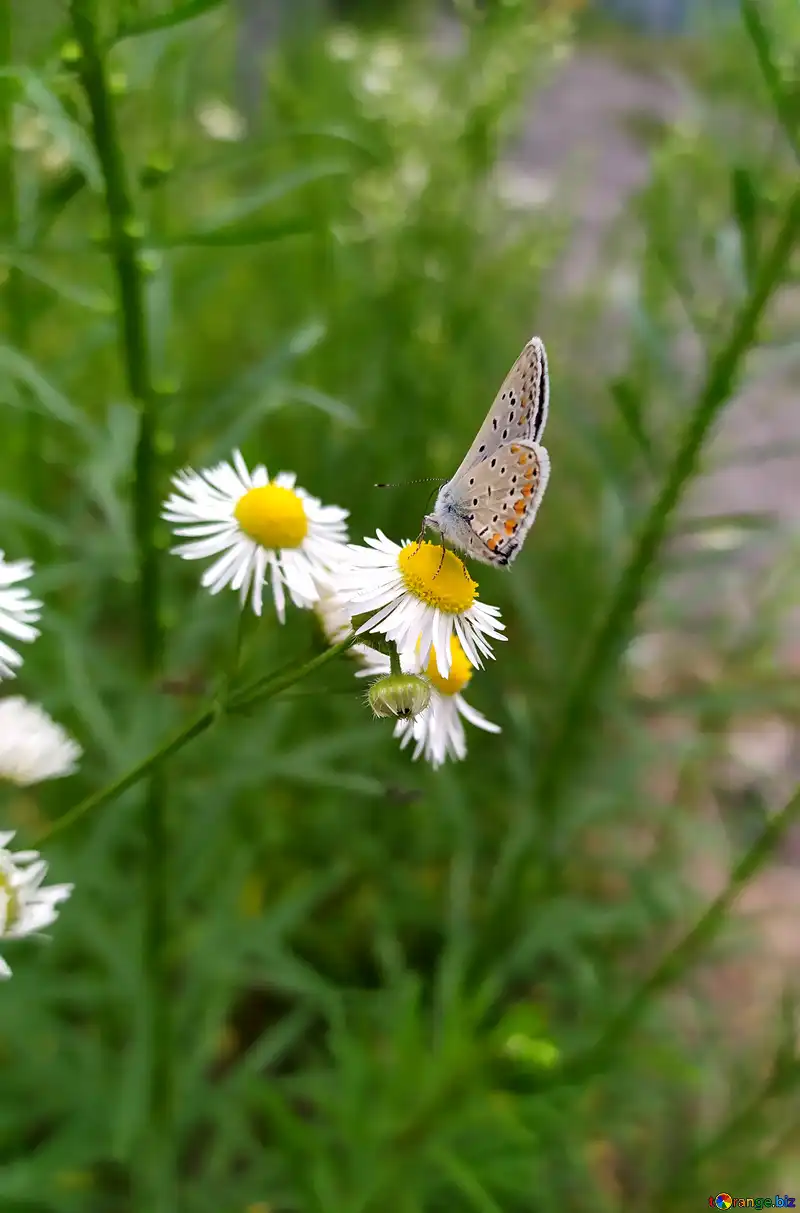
(32, 748)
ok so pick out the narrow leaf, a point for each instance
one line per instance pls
(785, 109)
(92, 299)
(239, 235)
(21, 370)
(63, 128)
(744, 200)
(629, 406)
(272, 191)
(181, 13)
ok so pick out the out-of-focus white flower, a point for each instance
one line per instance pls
(523, 190)
(32, 746)
(29, 130)
(55, 156)
(419, 597)
(221, 121)
(25, 906)
(334, 619)
(343, 43)
(18, 611)
(260, 529)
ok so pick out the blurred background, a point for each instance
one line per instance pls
(352, 215)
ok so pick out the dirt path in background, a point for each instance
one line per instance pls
(580, 125)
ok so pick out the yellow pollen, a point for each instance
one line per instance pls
(275, 517)
(12, 909)
(451, 589)
(460, 670)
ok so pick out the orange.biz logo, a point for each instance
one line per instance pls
(723, 1201)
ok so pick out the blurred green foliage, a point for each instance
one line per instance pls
(337, 284)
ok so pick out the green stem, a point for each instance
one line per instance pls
(247, 698)
(581, 703)
(125, 245)
(16, 302)
(112, 791)
(783, 99)
(157, 1176)
(678, 960)
(742, 1125)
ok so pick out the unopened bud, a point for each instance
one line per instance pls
(401, 695)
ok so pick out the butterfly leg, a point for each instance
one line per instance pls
(441, 559)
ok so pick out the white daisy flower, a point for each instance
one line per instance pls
(32, 746)
(260, 529)
(419, 598)
(334, 619)
(18, 611)
(25, 907)
(438, 731)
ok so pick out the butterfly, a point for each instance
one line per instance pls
(489, 505)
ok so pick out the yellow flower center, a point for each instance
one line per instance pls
(443, 583)
(275, 517)
(12, 909)
(460, 670)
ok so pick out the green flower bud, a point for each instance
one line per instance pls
(401, 695)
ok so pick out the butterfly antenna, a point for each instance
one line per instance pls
(398, 484)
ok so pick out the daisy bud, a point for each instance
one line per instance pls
(401, 695)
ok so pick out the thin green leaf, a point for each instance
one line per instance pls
(329, 405)
(179, 15)
(63, 127)
(21, 370)
(271, 192)
(253, 394)
(93, 300)
(629, 406)
(744, 200)
(465, 1181)
(785, 109)
(20, 513)
(239, 236)
(752, 520)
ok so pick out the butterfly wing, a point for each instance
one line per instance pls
(519, 410)
(499, 497)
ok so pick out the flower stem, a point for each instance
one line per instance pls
(125, 245)
(247, 698)
(583, 698)
(679, 958)
(16, 301)
(158, 1173)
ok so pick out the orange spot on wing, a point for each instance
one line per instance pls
(493, 542)
(514, 449)
(520, 505)
(523, 459)
(527, 489)
(529, 475)
(510, 527)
